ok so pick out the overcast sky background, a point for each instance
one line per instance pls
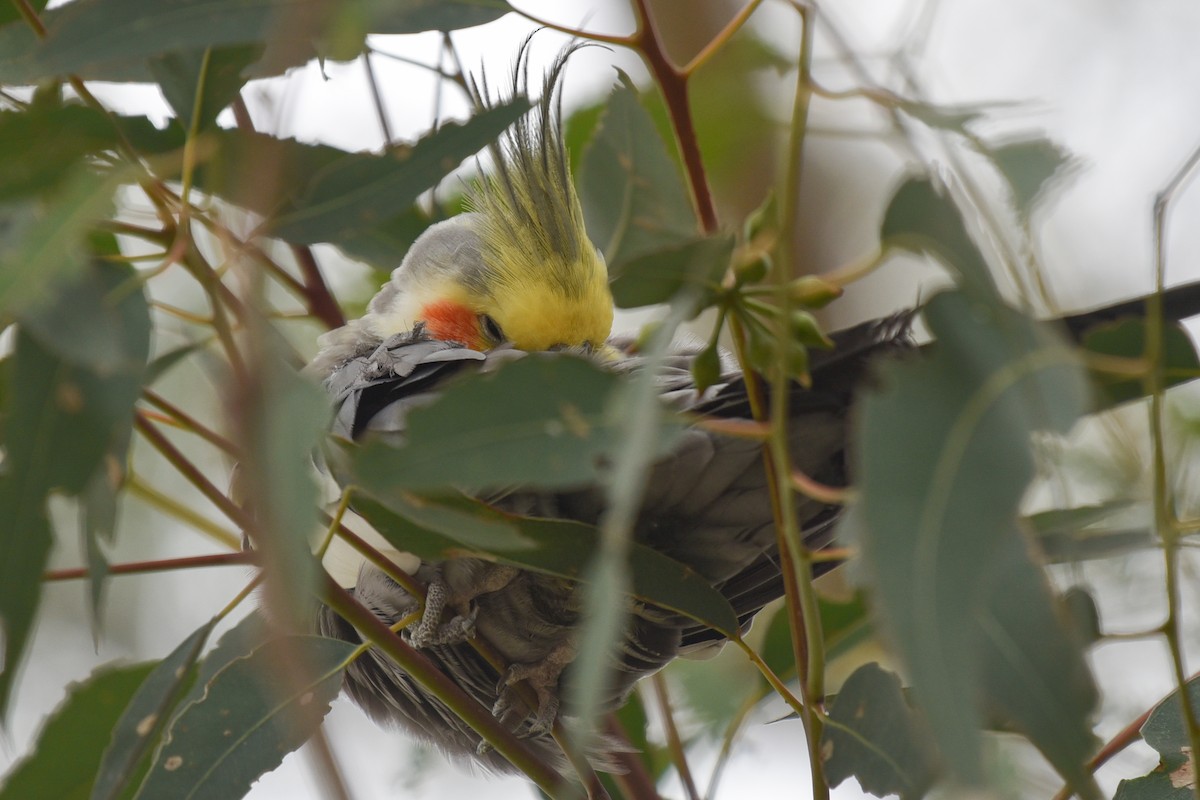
(1116, 82)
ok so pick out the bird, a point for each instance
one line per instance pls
(516, 273)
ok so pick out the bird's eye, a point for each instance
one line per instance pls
(490, 328)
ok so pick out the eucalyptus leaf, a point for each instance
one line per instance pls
(547, 424)
(69, 747)
(1166, 731)
(252, 713)
(944, 461)
(875, 737)
(137, 731)
(634, 201)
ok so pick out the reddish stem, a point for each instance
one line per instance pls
(161, 565)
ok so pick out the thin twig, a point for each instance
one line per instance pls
(160, 565)
(674, 743)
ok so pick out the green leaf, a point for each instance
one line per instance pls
(548, 423)
(950, 118)
(316, 193)
(137, 732)
(356, 193)
(217, 72)
(657, 275)
(24, 550)
(1031, 167)
(1166, 731)
(162, 364)
(253, 713)
(384, 245)
(943, 463)
(844, 625)
(46, 243)
(9, 13)
(634, 201)
(1087, 532)
(921, 218)
(283, 418)
(876, 738)
(554, 547)
(1127, 339)
(68, 749)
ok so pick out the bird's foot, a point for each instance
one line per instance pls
(431, 631)
(543, 678)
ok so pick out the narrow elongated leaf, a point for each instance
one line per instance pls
(548, 423)
(71, 405)
(137, 732)
(634, 201)
(944, 462)
(876, 738)
(557, 547)
(253, 713)
(68, 750)
(357, 193)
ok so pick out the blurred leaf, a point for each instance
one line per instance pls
(548, 423)
(137, 732)
(950, 118)
(1031, 167)
(944, 461)
(316, 193)
(634, 201)
(1086, 532)
(876, 738)
(9, 13)
(384, 245)
(1034, 674)
(844, 625)
(1083, 614)
(556, 547)
(282, 418)
(655, 276)
(67, 752)
(1127, 339)
(24, 550)
(163, 363)
(1166, 731)
(48, 242)
(179, 74)
(253, 713)
(922, 219)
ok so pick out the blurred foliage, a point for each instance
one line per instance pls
(953, 580)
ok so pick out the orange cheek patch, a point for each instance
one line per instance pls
(452, 322)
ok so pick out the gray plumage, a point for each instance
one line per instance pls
(707, 505)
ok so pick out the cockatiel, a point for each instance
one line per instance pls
(516, 274)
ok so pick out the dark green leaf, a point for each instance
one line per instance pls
(945, 460)
(1127, 339)
(634, 202)
(549, 423)
(68, 749)
(137, 732)
(921, 218)
(556, 547)
(9, 13)
(217, 73)
(415, 16)
(876, 738)
(383, 246)
(1031, 167)
(24, 550)
(656, 275)
(252, 714)
(238, 642)
(357, 193)
(1166, 731)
